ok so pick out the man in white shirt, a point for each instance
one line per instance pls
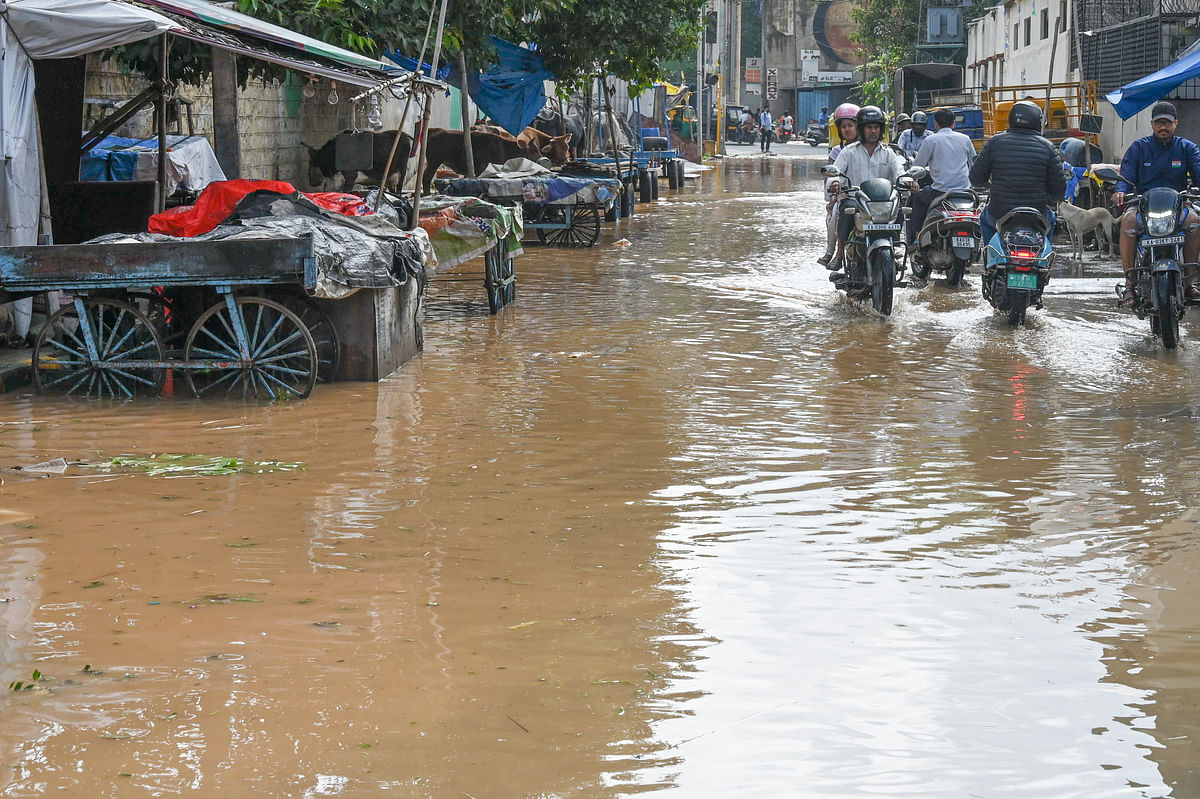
(764, 130)
(862, 160)
(948, 156)
(747, 127)
(910, 141)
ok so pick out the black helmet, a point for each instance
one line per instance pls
(824, 108)
(870, 115)
(1025, 114)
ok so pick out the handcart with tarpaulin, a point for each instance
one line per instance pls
(262, 336)
(562, 211)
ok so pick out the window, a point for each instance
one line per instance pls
(1062, 13)
(1045, 23)
(1016, 35)
(1028, 29)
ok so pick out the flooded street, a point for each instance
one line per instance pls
(682, 520)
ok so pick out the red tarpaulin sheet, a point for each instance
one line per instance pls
(217, 201)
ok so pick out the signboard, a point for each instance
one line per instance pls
(772, 83)
(832, 77)
(753, 70)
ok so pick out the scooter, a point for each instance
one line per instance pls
(869, 256)
(950, 239)
(1017, 263)
(1158, 272)
(815, 134)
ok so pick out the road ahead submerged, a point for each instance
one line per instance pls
(681, 519)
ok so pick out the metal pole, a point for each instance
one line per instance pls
(416, 212)
(161, 120)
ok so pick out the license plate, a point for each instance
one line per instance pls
(878, 226)
(1022, 280)
(963, 241)
(1163, 241)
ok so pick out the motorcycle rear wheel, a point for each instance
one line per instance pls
(1017, 303)
(1167, 312)
(955, 276)
(883, 278)
(920, 269)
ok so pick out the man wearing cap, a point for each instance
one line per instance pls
(1160, 159)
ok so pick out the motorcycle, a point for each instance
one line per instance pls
(1158, 272)
(815, 134)
(1017, 263)
(950, 239)
(869, 256)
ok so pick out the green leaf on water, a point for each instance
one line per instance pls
(179, 465)
(94, 584)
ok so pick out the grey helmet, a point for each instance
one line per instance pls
(920, 118)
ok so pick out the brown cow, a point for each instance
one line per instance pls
(556, 148)
(536, 144)
(446, 147)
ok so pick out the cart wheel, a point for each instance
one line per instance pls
(548, 215)
(653, 184)
(629, 198)
(583, 231)
(282, 355)
(324, 334)
(119, 331)
(680, 172)
(645, 190)
(492, 281)
(672, 175)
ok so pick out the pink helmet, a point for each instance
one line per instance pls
(845, 111)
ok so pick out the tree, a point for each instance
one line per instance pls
(626, 39)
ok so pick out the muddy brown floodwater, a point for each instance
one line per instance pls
(681, 520)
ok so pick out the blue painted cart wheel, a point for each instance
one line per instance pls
(280, 359)
(97, 355)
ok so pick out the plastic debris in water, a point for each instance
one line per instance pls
(623, 243)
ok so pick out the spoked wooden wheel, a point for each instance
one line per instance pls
(107, 353)
(280, 358)
(582, 231)
(325, 335)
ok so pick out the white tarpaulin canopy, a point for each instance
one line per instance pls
(36, 29)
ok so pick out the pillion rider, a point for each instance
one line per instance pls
(864, 159)
(1023, 167)
(1160, 159)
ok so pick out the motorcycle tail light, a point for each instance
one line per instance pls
(964, 214)
(1024, 260)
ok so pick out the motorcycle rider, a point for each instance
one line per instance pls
(823, 117)
(901, 123)
(1161, 159)
(864, 159)
(910, 141)
(845, 121)
(948, 155)
(1024, 168)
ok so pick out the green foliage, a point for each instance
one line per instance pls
(625, 39)
(18, 685)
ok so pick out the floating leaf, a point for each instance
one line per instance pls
(523, 625)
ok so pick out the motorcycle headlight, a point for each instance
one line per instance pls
(1160, 224)
(881, 211)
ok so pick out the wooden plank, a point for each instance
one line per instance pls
(171, 263)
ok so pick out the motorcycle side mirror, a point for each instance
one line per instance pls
(1107, 173)
(917, 173)
(830, 171)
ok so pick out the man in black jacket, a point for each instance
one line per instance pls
(1024, 168)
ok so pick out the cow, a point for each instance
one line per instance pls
(535, 143)
(446, 147)
(550, 121)
(321, 161)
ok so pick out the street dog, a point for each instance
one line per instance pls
(1081, 221)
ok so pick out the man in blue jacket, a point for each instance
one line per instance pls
(1161, 159)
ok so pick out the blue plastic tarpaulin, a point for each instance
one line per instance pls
(411, 65)
(513, 91)
(1133, 97)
